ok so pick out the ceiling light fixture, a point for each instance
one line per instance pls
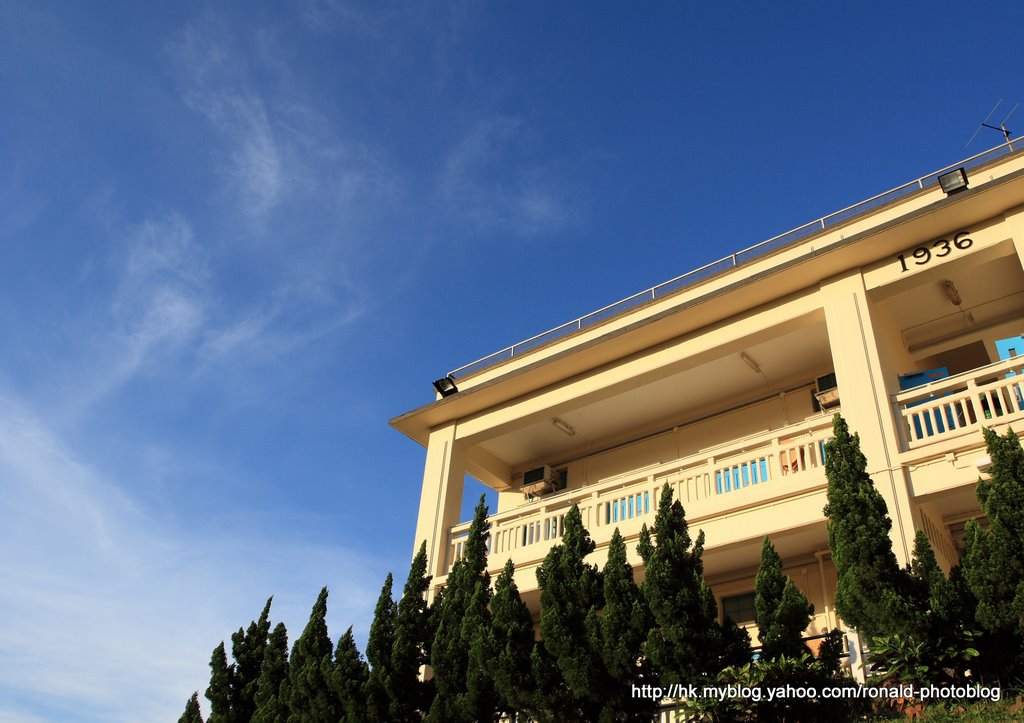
(564, 426)
(951, 293)
(750, 362)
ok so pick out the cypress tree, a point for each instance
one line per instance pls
(347, 678)
(480, 702)
(406, 692)
(768, 586)
(570, 590)
(271, 702)
(248, 648)
(510, 644)
(617, 635)
(735, 649)
(939, 610)
(192, 713)
(310, 699)
(993, 560)
(943, 617)
(870, 594)
(550, 701)
(994, 557)
(459, 621)
(222, 676)
(685, 641)
(379, 648)
(782, 612)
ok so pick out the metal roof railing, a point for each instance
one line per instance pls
(696, 276)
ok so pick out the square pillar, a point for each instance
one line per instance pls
(1015, 224)
(441, 496)
(865, 401)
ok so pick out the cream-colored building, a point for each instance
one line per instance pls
(723, 382)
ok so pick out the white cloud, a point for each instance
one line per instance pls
(488, 180)
(160, 304)
(110, 609)
(170, 315)
(161, 248)
(322, 15)
(297, 316)
(216, 85)
(257, 160)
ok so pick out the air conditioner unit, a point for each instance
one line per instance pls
(541, 481)
(827, 392)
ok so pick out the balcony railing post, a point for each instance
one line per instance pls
(775, 463)
(901, 424)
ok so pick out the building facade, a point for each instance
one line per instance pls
(903, 312)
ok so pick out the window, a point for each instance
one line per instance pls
(740, 608)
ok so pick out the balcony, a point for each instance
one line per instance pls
(743, 474)
(961, 404)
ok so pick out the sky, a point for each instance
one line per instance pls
(237, 238)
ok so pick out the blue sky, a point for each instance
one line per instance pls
(238, 237)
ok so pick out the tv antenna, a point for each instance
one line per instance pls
(1007, 133)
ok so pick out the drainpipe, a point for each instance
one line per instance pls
(830, 621)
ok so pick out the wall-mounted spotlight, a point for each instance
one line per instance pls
(953, 181)
(446, 387)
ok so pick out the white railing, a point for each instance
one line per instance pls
(691, 278)
(962, 403)
(737, 474)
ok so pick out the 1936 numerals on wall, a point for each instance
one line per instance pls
(942, 247)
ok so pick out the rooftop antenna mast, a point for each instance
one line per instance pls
(1007, 133)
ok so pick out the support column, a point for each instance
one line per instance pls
(441, 496)
(1015, 223)
(865, 401)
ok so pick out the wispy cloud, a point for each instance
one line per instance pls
(171, 314)
(310, 199)
(109, 610)
(160, 302)
(271, 331)
(328, 14)
(489, 181)
(217, 85)
(163, 290)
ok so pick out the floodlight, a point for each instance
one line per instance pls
(446, 387)
(953, 181)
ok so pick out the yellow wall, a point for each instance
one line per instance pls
(844, 281)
